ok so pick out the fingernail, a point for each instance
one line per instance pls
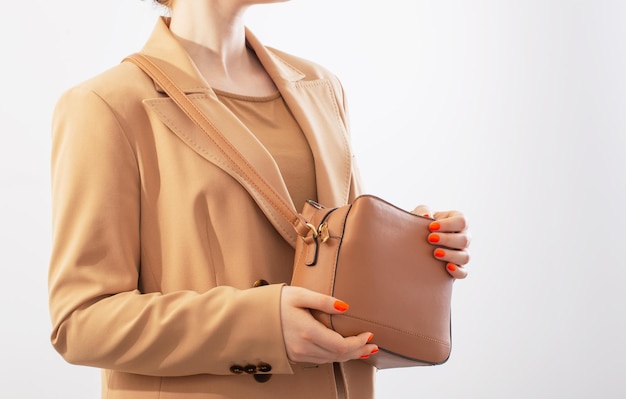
(440, 253)
(433, 238)
(434, 226)
(371, 337)
(341, 306)
(374, 351)
(451, 267)
(427, 215)
(365, 356)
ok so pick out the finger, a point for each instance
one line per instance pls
(313, 300)
(310, 341)
(370, 348)
(318, 344)
(340, 349)
(455, 256)
(456, 271)
(446, 214)
(301, 343)
(449, 222)
(451, 240)
(323, 345)
(422, 210)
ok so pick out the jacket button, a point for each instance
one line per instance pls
(236, 369)
(260, 283)
(261, 378)
(250, 369)
(264, 368)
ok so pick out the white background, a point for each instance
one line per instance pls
(513, 111)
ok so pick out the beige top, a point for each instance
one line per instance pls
(271, 121)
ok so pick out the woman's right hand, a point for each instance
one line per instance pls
(309, 341)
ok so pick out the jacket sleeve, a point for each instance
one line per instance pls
(100, 318)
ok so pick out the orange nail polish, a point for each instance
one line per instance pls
(440, 253)
(427, 215)
(434, 226)
(433, 238)
(374, 351)
(365, 356)
(371, 337)
(451, 267)
(341, 306)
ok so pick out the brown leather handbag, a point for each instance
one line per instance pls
(370, 254)
(376, 257)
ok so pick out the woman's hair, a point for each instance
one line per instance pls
(166, 3)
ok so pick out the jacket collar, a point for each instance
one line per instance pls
(310, 101)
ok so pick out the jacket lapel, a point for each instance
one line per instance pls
(314, 105)
(311, 102)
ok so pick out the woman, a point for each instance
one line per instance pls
(164, 272)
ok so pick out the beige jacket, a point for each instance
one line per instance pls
(157, 247)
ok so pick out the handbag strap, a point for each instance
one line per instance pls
(247, 172)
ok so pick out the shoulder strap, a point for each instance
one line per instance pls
(237, 160)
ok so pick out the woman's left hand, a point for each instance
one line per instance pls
(451, 239)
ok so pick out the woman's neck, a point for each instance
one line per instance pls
(213, 33)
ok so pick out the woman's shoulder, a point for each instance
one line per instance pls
(113, 97)
(117, 86)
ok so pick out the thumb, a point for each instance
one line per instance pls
(305, 298)
(422, 210)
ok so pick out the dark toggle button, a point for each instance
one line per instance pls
(261, 378)
(264, 368)
(236, 369)
(250, 369)
(260, 283)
